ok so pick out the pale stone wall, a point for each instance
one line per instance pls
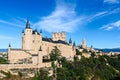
(47, 47)
(66, 50)
(16, 66)
(35, 59)
(27, 40)
(15, 55)
(36, 41)
(22, 66)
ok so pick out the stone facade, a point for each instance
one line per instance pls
(33, 41)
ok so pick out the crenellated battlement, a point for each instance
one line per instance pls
(59, 36)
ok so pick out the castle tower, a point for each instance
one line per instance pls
(84, 44)
(59, 36)
(37, 39)
(27, 37)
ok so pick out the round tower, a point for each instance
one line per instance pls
(27, 37)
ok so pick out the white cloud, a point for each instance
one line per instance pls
(4, 37)
(14, 22)
(11, 23)
(112, 1)
(63, 18)
(111, 26)
(105, 13)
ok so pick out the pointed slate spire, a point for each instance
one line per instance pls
(28, 24)
(74, 44)
(9, 45)
(40, 30)
(91, 46)
(70, 41)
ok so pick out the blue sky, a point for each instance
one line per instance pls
(98, 21)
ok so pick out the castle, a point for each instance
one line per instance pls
(35, 47)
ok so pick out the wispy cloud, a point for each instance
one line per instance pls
(4, 37)
(10, 23)
(63, 18)
(112, 1)
(111, 26)
(104, 13)
(14, 22)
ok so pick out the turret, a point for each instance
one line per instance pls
(70, 42)
(84, 44)
(40, 56)
(36, 32)
(27, 24)
(9, 47)
(41, 32)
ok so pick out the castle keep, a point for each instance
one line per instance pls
(35, 47)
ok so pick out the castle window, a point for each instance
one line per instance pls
(33, 41)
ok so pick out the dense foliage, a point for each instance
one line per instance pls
(3, 60)
(55, 54)
(42, 74)
(93, 68)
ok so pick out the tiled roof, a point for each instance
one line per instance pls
(35, 31)
(50, 40)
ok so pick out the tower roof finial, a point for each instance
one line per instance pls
(40, 30)
(70, 41)
(28, 23)
(9, 45)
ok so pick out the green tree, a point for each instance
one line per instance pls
(42, 74)
(20, 74)
(3, 60)
(55, 54)
(78, 52)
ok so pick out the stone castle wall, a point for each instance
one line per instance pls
(22, 66)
